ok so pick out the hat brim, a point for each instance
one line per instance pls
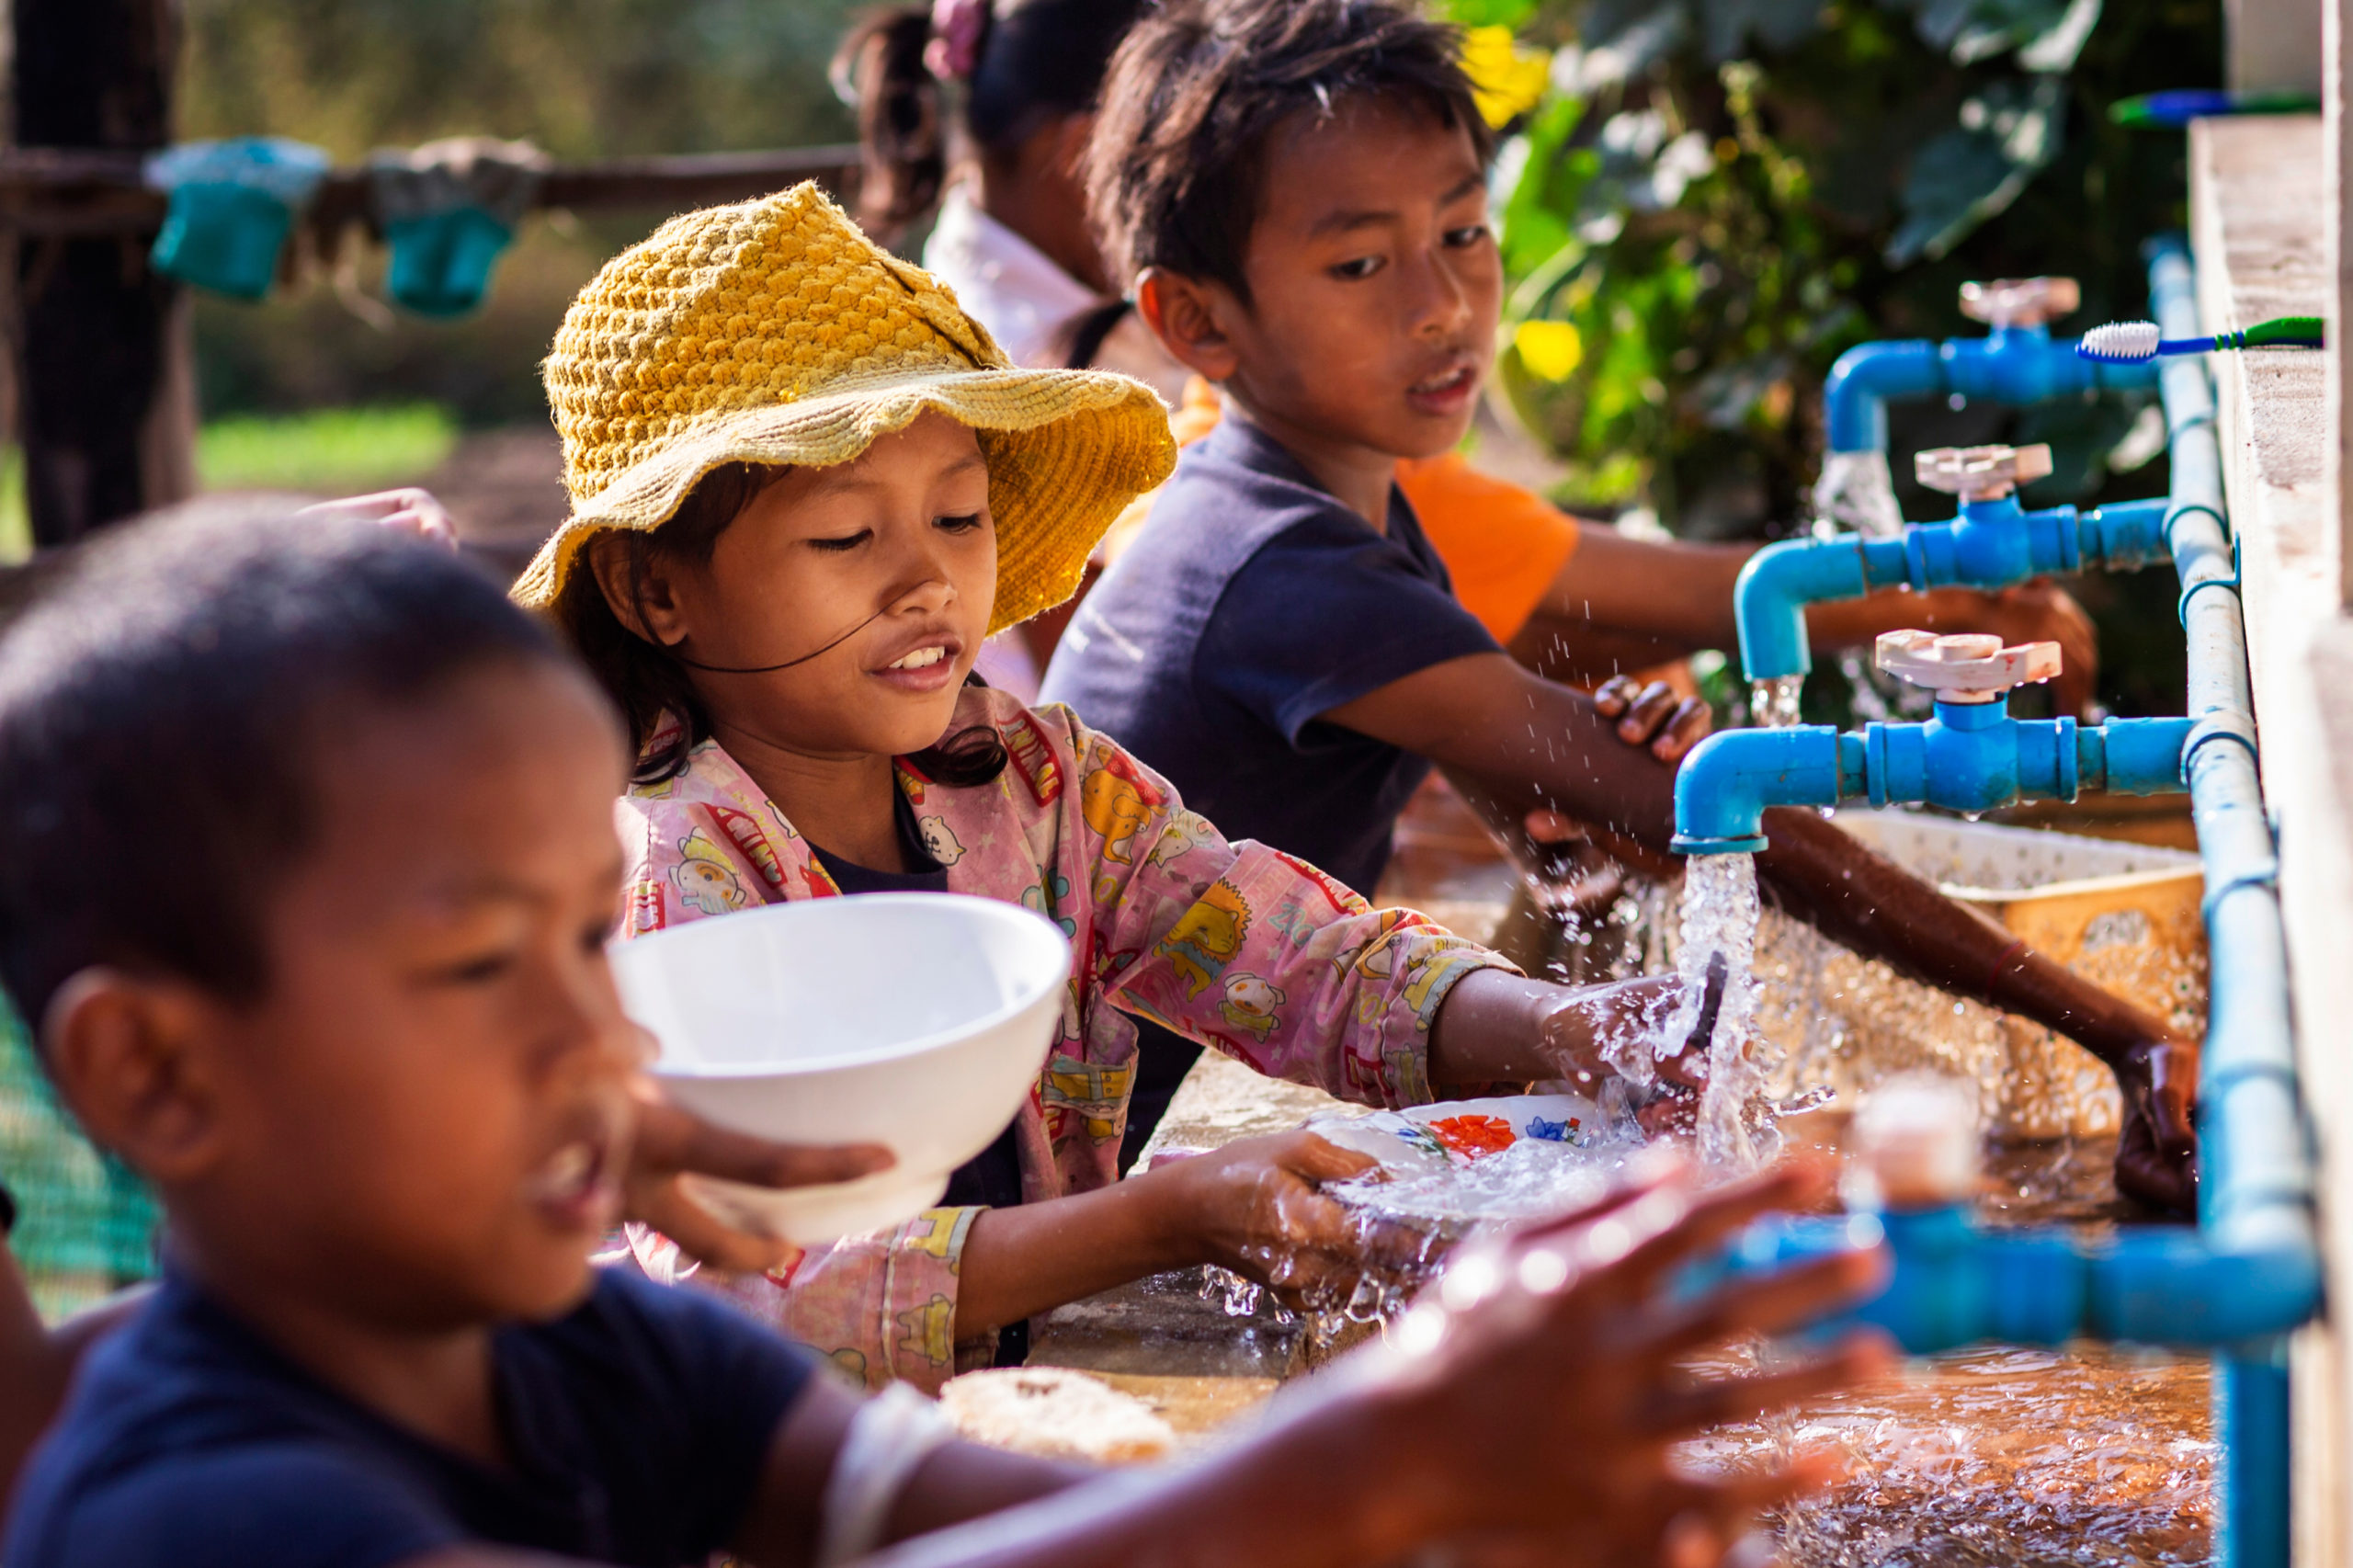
(1067, 450)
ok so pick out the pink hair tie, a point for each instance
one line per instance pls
(957, 30)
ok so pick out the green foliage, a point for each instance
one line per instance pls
(337, 450)
(582, 78)
(1715, 197)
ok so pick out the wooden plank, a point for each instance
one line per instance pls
(49, 192)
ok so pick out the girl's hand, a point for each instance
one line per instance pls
(2157, 1159)
(1652, 715)
(408, 510)
(1258, 1208)
(673, 1141)
(1528, 1405)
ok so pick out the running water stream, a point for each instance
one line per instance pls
(1857, 491)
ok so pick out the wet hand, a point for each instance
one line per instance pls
(672, 1141)
(408, 510)
(1529, 1403)
(2156, 1158)
(1654, 716)
(1589, 1028)
(1258, 1207)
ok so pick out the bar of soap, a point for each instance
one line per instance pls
(1056, 1413)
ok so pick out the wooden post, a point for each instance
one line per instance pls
(2336, 156)
(106, 393)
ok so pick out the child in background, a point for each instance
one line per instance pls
(1297, 188)
(359, 1033)
(805, 486)
(1008, 89)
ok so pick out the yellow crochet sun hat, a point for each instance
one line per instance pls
(776, 332)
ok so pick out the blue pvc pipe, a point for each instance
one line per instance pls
(2017, 366)
(2251, 1272)
(2255, 1150)
(1969, 758)
(1991, 544)
(1955, 1282)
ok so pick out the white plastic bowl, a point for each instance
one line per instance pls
(916, 1020)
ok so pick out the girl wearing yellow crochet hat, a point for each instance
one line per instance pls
(805, 487)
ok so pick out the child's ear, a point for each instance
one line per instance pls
(636, 589)
(131, 1059)
(1188, 317)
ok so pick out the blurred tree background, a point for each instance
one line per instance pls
(582, 78)
(1704, 202)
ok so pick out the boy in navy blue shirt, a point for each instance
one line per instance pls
(1297, 190)
(307, 871)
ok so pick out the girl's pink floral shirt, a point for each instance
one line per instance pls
(1240, 947)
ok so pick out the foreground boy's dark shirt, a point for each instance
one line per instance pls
(638, 1427)
(1252, 602)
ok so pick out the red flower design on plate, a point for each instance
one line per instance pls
(1474, 1137)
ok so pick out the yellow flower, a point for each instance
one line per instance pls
(1507, 77)
(1550, 351)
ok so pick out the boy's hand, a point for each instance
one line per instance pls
(672, 1141)
(1528, 1402)
(2157, 1159)
(1256, 1206)
(408, 510)
(1652, 715)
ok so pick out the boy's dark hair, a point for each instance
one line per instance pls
(1175, 169)
(652, 688)
(161, 699)
(1039, 60)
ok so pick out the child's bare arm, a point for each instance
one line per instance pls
(1623, 603)
(1529, 740)
(1536, 1403)
(1254, 1207)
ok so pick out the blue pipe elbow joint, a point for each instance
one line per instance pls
(1991, 544)
(1726, 784)
(2016, 365)
(1971, 756)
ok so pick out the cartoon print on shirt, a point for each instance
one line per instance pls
(1096, 1092)
(1206, 937)
(930, 1331)
(1424, 972)
(1185, 832)
(1173, 939)
(1250, 1003)
(747, 837)
(706, 883)
(1049, 897)
(1032, 758)
(644, 907)
(939, 840)
(1290, 920)
(1116, 801)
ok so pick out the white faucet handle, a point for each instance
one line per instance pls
(1981, 473)
(1972, 667)
(2019, 301)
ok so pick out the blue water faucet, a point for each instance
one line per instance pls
(1993, 543)
(2018, 363)
(1971, 756)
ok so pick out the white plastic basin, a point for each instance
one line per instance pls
(916, 1020)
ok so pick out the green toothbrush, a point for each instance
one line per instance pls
(2132, 342)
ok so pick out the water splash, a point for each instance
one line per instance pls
(1719, 916)
(1856, 491)
(1773, 703)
